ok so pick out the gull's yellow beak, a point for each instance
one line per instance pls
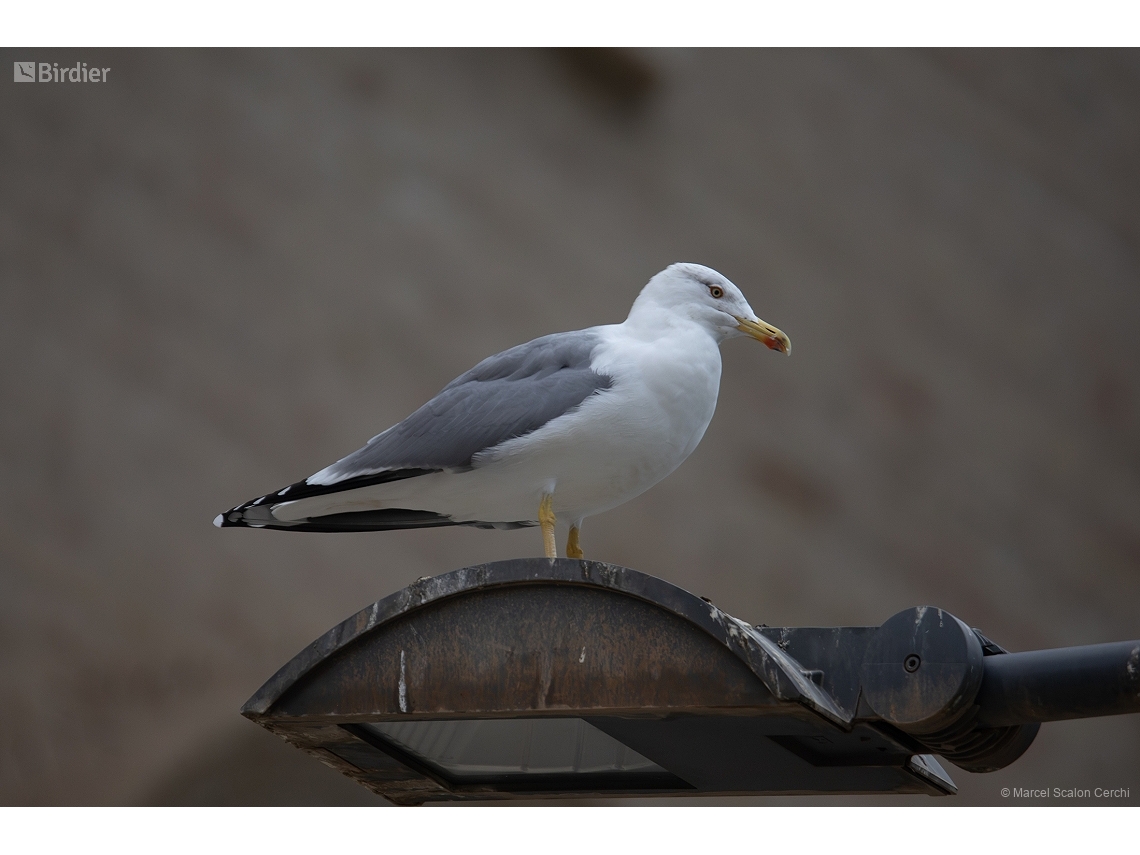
(766, 333)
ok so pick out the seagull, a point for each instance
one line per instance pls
(566, 426)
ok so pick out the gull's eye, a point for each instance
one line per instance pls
(716, 291)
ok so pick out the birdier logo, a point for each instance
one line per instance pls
(50, 72)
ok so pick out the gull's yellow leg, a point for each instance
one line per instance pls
(546, 520)
(573, 550)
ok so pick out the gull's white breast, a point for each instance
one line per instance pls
(617, 443)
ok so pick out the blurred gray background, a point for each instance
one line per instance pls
(222, 270)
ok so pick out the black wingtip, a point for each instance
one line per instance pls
(231, 519)
(238, 518)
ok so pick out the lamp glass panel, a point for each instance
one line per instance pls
(470, 749)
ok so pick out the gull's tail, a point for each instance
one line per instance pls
(258, 513)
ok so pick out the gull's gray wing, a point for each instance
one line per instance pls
(505, 396)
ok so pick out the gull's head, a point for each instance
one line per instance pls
(700, 294)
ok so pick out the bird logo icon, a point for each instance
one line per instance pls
(24, 72)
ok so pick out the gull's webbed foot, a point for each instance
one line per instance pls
(573, 549)
(546, 520)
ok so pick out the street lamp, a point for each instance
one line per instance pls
(554, 678)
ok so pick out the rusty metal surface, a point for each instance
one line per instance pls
(720, 705)
(710, 704)
(526, 649)
(779, 673)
